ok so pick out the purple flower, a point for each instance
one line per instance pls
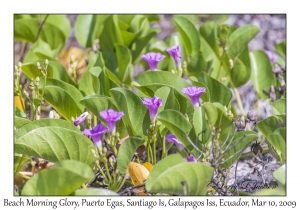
(272, 57)
(173, 139)
(96, 134)
(81, 118)
(194, 93)
(153, 104)
(176, 54)
(153, 59)
(111, 117)
(190, 158)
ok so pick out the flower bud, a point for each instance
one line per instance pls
(25, 93)
(20, 65)
(104, 150)
(110, 160)
(231, 63)
(46, 62)
(251, 115)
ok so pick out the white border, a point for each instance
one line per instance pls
(150, 6)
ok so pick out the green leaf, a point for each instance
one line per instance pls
(196, 65)
(185, 104)
(93, 191)
(55, 31)
(70, 89)
(239, 39)
(279, 106)
(281, 48)
(212, 59)
(55, 70)
(268, 125)
(126, 152)
(54, 143)
(61, 22)
(125, 72)
(189, 34)
(45, 123)
(245, 138)
(89, 83)
(19, 162)
(272, 191)
(201, 125)
(168, 174)
(217, 91)
(150, 81)
(111, 34)
(279, 145)
(262, 76)
(136, 113)
(40, 50)
(211, 112)
(88, 28)
(153, 17)
(169, 100)
(68, 175)
(140, 43)
(239, 75)
(69, 108)
(19, 113)
(176, 123)
(97, 103)
(128, 38)
(280, 176)
(20, 121)
(209, 32)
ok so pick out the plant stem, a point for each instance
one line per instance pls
(101, 171)
(44, 87)
(95, 120)
(24, 176)
(164, 154)
(154, 150)
(221, 63)
(239, 101)
(40, 27)
(106, 167)
(258, 109)
(121, 184)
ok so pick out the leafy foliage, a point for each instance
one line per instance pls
(73, 86)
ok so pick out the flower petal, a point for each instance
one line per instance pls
(173, 139)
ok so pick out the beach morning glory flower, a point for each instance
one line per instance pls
(81, 118)
(176, 54)
(153, 104)
(111, 117)
(153, 59)
(190, 158)
(96, 134)
(173, 139)
(271, 56)
(194, 93)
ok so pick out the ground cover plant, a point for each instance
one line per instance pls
(126, 113)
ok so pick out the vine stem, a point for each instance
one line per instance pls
(40, 28)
